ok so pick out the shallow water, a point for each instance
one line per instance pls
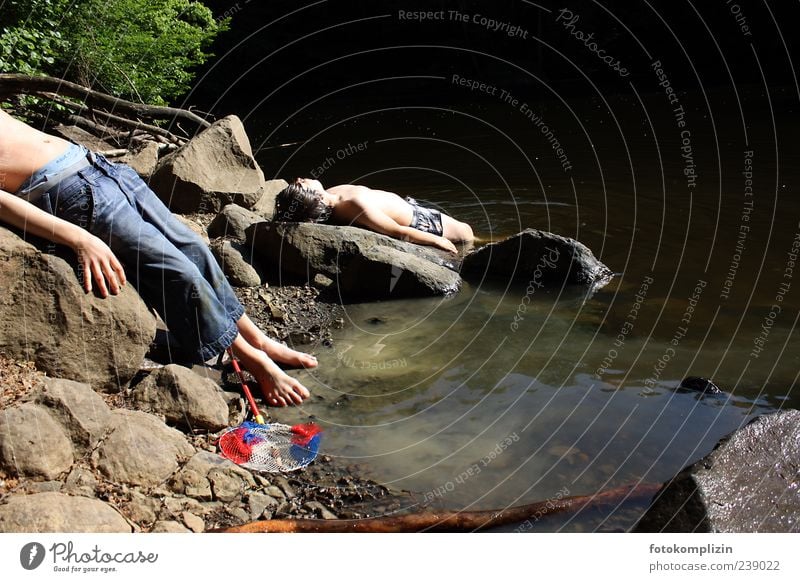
(444, 398)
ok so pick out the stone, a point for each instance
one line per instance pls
(82, 137)
(538, 259)
(59, 513)
(266, 204)
(142, 509)
(207, 476)
(80, 410)
(749, 483)
(232, 222)
(142, 157)
(169, 527)
(193, 522)
(364, 265)
(33, 444)
(257, 503)
(184, 398)
(213, 169)
(194, 226)
(46, 317)
(140, 450)
(80, 482)
(320, 510)
(237, 269)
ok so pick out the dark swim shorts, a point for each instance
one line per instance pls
(425, 219)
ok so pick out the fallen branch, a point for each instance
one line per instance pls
(449, 520)
(12, 84)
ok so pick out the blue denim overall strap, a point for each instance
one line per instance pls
(53, 173)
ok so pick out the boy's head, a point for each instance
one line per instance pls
(299, 203)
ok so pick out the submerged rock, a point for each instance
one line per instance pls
(748, 483)
(47, 318)
(215, 168)
(362, 264)
(539, 258)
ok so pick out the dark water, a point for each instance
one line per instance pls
(444, 398)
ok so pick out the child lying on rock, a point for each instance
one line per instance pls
(120, 230)
(385, 212)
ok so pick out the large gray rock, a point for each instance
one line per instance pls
(232, 222)
(537, 258)
(46, 317)
(183, 398)
(748, 483)
(239, 272)
(142, 157)
(363, 265)
(59, 513)
(80, 410)
(213, 169)
(141, 450)
(32, 444)
(266, 204)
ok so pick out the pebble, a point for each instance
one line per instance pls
(193, 522)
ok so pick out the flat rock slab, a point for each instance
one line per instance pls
(750, 482)
(59, 513)
(141, 450)
(537, 258)
(362, 264)
(184, 398)
(33, 444)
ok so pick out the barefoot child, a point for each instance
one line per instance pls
(384, 212)
(120, 230)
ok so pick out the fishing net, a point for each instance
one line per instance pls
(271, 448)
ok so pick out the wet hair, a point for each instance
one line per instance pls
(298, 204)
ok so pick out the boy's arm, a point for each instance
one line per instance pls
(98, 260)
(379, 221)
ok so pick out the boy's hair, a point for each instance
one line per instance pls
(298, 204)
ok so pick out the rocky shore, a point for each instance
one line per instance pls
(103, 429)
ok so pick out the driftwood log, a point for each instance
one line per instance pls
(106, 117)
(449, 521)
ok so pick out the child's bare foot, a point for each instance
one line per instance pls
(275, 350)
(286, 355)
(278, 388)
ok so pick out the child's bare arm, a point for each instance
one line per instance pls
(98, 260)
(379, 221)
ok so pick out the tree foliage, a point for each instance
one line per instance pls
(143, 50)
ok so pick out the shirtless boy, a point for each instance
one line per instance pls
(384, 212)
(119, 229)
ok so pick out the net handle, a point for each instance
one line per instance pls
(256, 414)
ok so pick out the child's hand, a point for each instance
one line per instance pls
(100, 263)
(445, 245)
